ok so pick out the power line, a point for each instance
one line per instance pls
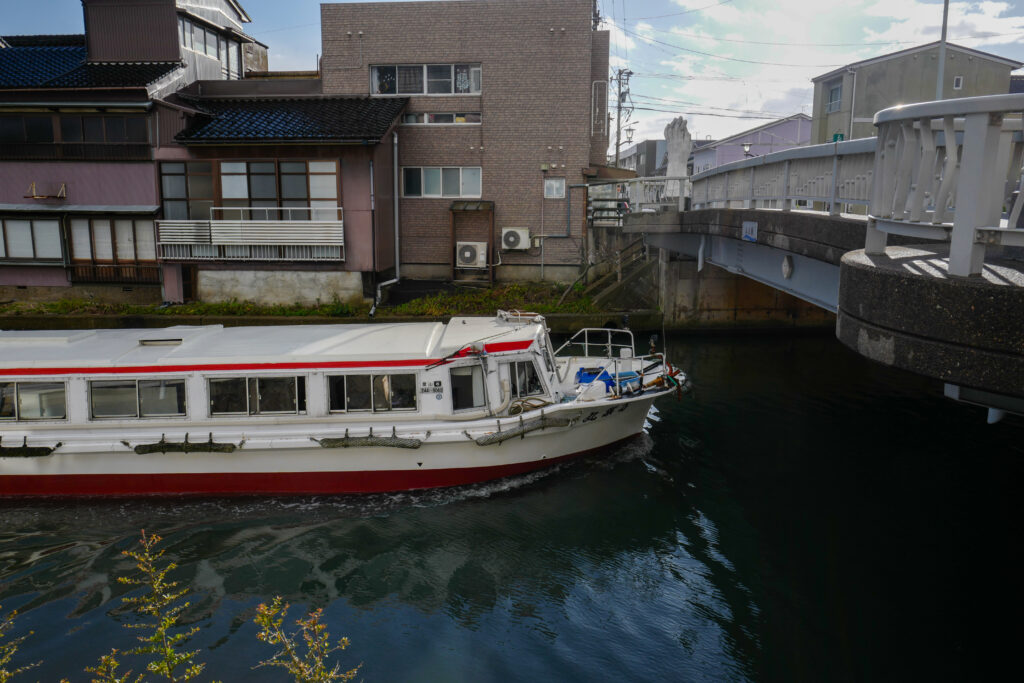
(712, 114)
(668, 100)
(695, 9)
(729, 79)
(760, 42)
(731, 59)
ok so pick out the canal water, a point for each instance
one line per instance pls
(802, 515)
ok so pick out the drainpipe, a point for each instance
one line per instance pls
(397, 277)
(853, 102)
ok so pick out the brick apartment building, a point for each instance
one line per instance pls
(175, 168)
(507, 112)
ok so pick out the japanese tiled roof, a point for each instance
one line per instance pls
(27, 67)
(113, 74)
(341, 119)
(53, 40)
(65, 66)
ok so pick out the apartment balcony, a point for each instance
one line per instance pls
(255, 234)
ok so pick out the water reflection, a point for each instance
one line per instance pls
(805, 515)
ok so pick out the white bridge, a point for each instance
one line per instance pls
(911, 237)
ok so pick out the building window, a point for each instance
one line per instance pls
(117, 241)
(27, 128)
(429, 79)
(379, 393)
(835, 94)
(958, 83)
(441, 182)
(454, 118)
(31, 239)
(285, 190)
(32, 401)
(258, 396)
(554, 188)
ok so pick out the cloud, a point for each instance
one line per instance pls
(668, 38)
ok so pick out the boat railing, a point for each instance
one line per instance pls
(516, 316)
(626, 375)
(603, 341)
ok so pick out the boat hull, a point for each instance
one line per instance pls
(286, 460)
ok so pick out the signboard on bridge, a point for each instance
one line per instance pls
(750, 231)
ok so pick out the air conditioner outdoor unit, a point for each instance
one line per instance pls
(515, 238)
(471, 254)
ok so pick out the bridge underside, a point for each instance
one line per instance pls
(902, 309)
(806, 278)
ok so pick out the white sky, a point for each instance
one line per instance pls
(760, 55)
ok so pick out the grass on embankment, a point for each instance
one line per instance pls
(537, 297)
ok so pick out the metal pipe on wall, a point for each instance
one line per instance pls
(395, 175)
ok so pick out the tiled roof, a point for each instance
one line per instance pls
(344, 119)
(27, 67)
(113, 75)
(65, 67)
(54, 40)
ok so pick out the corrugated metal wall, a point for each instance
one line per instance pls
(132, 31)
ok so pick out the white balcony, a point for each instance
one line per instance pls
(255, 234)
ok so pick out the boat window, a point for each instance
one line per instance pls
(7, 401)
(228, 397)
(403, 392)
(372, 392)
(114, 398)
(525, 381)
(161, 397)
(32, 401)
(467, 387)
(258, 396)
(273, 394)
(357, 392)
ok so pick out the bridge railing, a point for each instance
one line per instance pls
(831, 176)
(610, 199)
(948, 170)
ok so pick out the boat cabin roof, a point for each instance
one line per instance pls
(186, 348)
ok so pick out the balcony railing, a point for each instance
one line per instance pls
(255, 234)
(76, 151)
(116, 273)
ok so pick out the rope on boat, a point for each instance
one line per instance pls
(165, 446)
(393, 441)
(522, 429)
(26, 451)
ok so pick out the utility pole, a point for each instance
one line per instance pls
(942, 51)
(621, 78)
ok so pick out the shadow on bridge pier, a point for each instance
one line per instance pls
(905, 310)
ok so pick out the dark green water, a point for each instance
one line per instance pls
(804, 515)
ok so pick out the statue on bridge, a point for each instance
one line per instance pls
(678, 145)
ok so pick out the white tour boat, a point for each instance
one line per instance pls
(311, 408)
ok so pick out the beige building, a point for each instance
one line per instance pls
(847, 99)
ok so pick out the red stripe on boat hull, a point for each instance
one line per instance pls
(267, 483)
(494, 347)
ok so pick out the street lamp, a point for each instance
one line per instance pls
(746, 150)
